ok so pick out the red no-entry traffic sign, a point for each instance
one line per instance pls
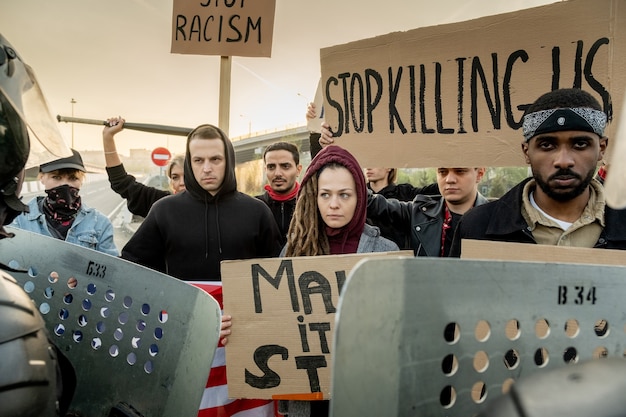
(161, 156)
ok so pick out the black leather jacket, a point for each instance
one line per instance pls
(402, 192)
(424, 217)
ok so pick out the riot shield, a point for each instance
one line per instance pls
(443, 337)
(139, 341)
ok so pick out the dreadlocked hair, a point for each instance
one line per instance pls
(306, 235)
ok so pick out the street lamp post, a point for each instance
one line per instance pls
(249, 124)
(304, 97)
(72, 101)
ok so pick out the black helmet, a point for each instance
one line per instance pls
(28, 383)
(29, 135)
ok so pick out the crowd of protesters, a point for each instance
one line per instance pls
(338, 207)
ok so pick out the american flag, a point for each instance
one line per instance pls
(215, 401)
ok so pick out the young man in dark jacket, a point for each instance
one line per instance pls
(430, 219)
(282, 168)
(187, 235)
(383, 181)
(561, 204)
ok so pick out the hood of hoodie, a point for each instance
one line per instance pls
(334, 153)
(229, 184)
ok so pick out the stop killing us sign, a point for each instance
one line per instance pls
(455, 94)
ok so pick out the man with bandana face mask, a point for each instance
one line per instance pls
(62, 214)
(561, 204)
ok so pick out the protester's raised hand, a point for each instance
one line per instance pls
(311, 113)
(326, 137)
(114, 125)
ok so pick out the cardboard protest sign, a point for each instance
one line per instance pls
(614, 185)
(283, 313)
(455, 94)
(223, 27)
(507, 251)
(314, 124)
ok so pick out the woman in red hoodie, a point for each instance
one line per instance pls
(331, 210)
(329, 219)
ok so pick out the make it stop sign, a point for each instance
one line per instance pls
(161, 156)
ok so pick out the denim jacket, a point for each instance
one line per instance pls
(91, 229)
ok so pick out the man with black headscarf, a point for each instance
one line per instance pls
(561, 204)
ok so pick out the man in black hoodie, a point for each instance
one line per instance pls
(188, 234)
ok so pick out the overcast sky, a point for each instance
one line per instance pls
(113, 57)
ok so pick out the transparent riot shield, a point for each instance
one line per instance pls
(138, 340)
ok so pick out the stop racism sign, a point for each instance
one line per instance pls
(161, 156)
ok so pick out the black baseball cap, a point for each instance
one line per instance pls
(71, 162)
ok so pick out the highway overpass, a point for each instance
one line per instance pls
(247, 148)
(251, 148)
